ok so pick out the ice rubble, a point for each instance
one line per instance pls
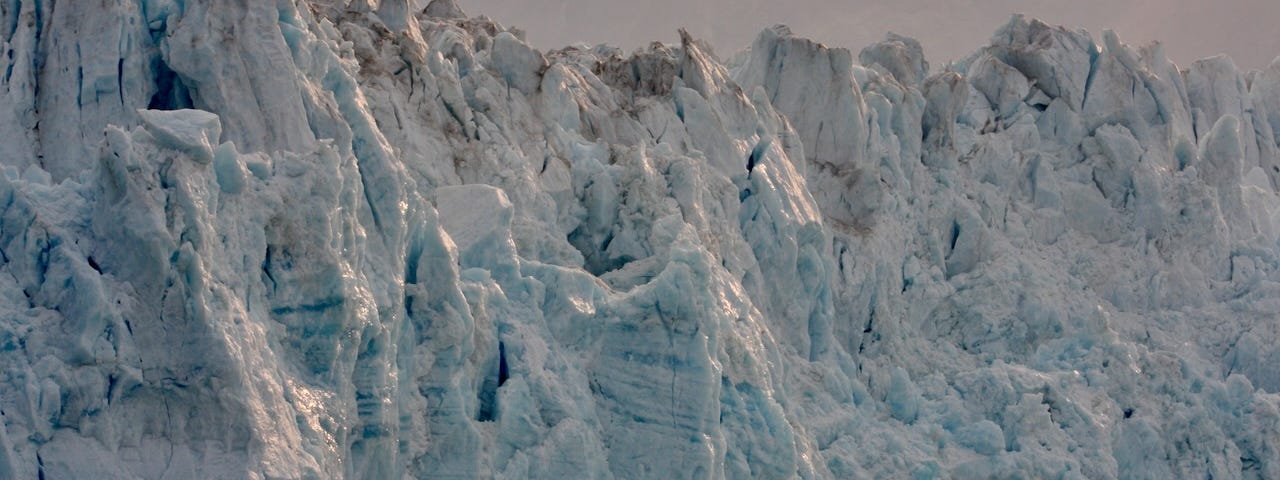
(315, 239)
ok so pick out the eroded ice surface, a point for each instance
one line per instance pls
(320, 238)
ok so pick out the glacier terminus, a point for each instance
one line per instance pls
(386, 239)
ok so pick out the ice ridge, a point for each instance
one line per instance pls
(385, 239)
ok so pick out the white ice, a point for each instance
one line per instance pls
(384, 239)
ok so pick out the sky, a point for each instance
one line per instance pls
(1190, 29)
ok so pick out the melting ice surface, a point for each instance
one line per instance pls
(323, 239)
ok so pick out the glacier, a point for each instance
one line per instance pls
(291, 239)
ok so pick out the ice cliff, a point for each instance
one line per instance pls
(383, 239)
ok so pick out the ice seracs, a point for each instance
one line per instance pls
(384, 239)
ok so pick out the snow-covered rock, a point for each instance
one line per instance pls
(383, 239)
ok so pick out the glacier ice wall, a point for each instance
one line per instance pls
(383, 239)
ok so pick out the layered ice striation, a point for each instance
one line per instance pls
(384, 239)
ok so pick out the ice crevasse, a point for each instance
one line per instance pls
(385, 239)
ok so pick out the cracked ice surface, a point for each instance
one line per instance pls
(321, 238)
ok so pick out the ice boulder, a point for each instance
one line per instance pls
(1056, 59)
(520, 64)
(194, 132)
(445, 9)
(902, 57)
(478, 219)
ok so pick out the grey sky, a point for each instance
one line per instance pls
(1189, 29)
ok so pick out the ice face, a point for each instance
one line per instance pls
(381, 239)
